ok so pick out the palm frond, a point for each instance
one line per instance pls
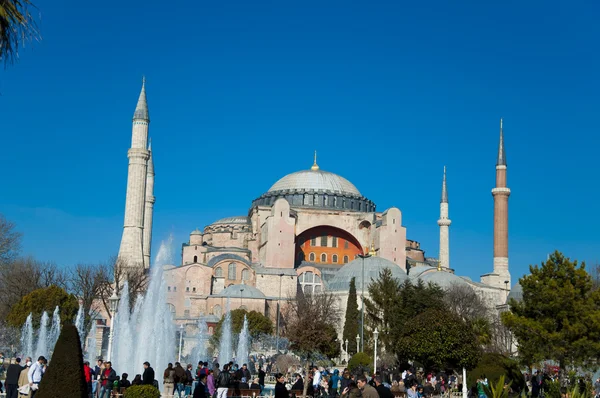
(17, 26)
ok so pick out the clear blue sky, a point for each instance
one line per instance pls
(241, 93)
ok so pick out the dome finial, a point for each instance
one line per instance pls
(315, 166)
(372, 252)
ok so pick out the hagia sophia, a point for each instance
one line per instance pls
(312, 230)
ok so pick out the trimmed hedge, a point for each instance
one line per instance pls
(360, 362)
(142, 392)
(64, 376)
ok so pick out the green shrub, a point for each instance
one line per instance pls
(360, 362)
(142, 392)
(64, 376)
(493, 366)
(497, 390)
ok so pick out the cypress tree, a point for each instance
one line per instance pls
(352, 318)
(65, 377)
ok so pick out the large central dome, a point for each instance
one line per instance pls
(315, 180)
(317, 189)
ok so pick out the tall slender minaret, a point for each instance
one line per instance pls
(130, 252)
(149, 209)
(501, 193)
(444, 223)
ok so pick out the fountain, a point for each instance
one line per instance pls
(200, 351)
(79, 321)
(92, 344)
(27, 336)
(147, 333)
(42, 343)
(54, 331)
(225, 342)
(243, 344)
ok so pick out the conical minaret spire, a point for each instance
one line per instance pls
(315, 166)
(501, 155)
(148, 209)
(444, 223)
(130, 251)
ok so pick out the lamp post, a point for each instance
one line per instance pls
(357, 343)
(362, 306)
(113, 303)
(180, 342)
(347, 354)
(375, 335)
(278, 304)
(464, 383)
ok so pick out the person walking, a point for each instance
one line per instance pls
(180, 379)
(382, 390)
(169, 380)
(12, 378)
(189, 380)
(88, 373)
(107, 380)
(148, 376)
(35, 373)
(23, 379)
(223, 382)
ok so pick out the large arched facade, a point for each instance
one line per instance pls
(326, 245)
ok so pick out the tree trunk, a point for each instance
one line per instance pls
(306, 376)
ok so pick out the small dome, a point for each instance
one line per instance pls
(515, 293)
(241, 291)
(443, 279)
(373, 266)
(233, 220)
(196, 232)
(315, 180)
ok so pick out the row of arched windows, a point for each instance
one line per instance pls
(232, 272)
(312, 257)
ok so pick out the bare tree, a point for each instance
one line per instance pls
(87, 282)
(10, 240)
(116, 272)
(309, 325)
(465, 302)
(24, 275)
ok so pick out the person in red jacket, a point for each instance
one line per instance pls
(88, 376)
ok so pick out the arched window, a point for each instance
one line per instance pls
(345, 259)
(334, 258)
(231, 272)
(195, 259)
(315, 200)
(311, 257)
(217, 310)
(219, 272)
(310, 282)
(324, 200)
(323, 258)
(245, 274)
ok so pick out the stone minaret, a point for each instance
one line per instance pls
(501, 193)
(149, 210)
(130, 252)
(444, 223)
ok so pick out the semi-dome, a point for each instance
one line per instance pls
(233, 220)
(443, 279)
(315, 180)
(241, 291)
(354, 269)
